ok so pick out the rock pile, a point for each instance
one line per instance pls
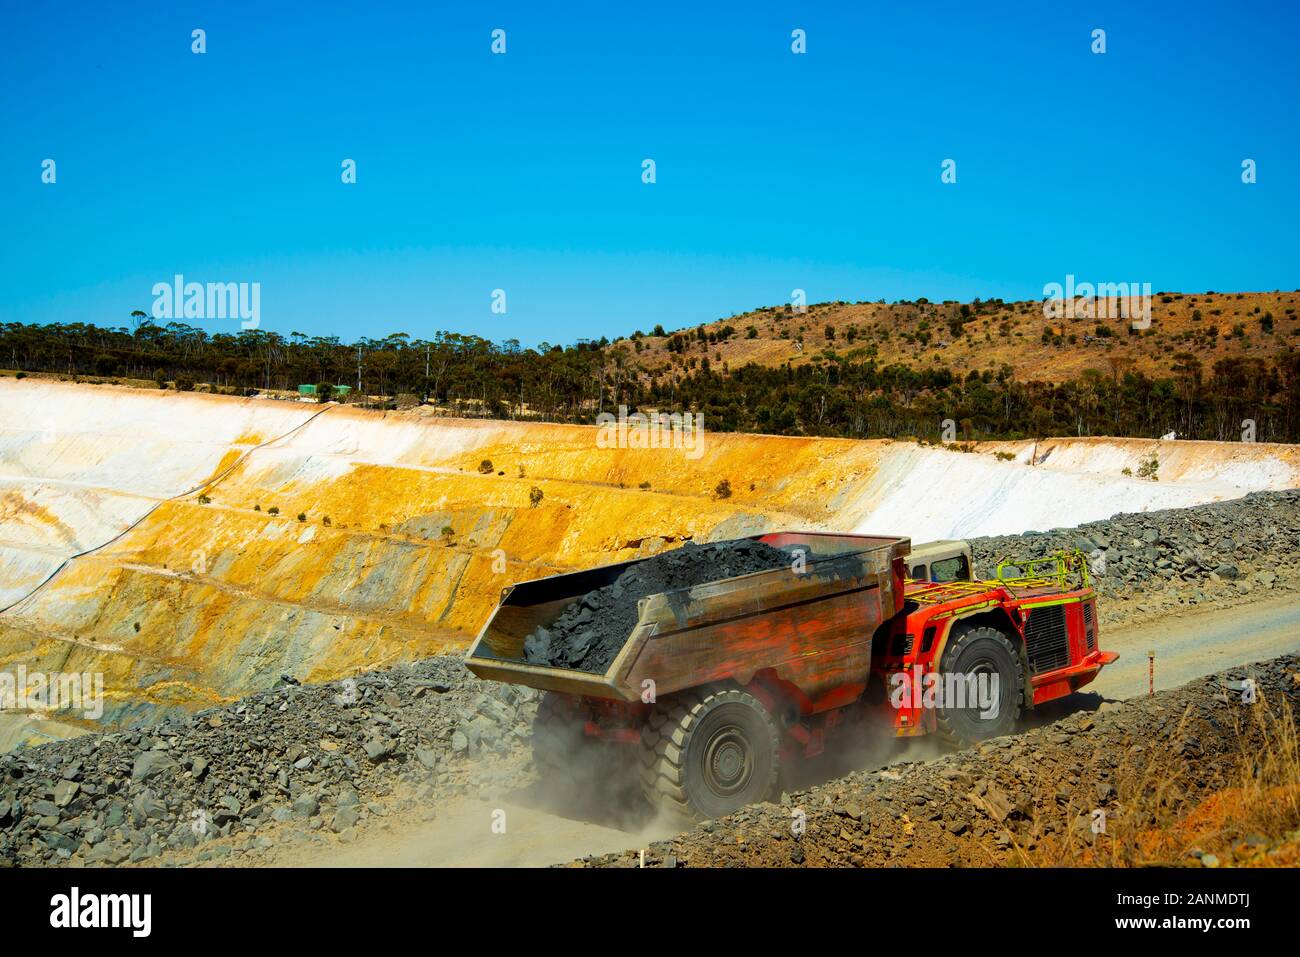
(589, 633)
(317, 754)
(1177, 556)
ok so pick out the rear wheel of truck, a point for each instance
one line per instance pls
(989, 704)
(574, 768)
(706, 753)
(557, 735)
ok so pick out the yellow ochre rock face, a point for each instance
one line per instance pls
(194, 548)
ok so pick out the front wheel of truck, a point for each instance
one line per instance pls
(988, 701)
(706, 753)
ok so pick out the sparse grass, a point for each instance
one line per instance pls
(1164, 807)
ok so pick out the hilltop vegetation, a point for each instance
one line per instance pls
(1208, 364)
(984, 335)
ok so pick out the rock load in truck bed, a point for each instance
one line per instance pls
(588, 634)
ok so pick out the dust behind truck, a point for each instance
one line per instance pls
(706, 691)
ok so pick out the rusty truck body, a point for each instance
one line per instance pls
(721, 684)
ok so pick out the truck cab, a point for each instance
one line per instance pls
(949, 560)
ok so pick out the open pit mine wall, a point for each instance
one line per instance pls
(155, 537)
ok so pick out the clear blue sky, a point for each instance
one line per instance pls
(523, 171)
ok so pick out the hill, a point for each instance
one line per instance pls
(990, 334)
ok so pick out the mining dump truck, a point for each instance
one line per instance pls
(716, 687)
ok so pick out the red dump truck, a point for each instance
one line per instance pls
(720, 685)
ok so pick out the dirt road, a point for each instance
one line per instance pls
(521, 829)
(1202, 643)
(524, 829)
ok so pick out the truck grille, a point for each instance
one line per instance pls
(1046, 641)
(1089, 629)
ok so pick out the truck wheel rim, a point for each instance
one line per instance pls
(982, 667)
(728, 761)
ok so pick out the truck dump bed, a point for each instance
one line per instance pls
(808, 625)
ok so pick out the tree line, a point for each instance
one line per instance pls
(831, 395)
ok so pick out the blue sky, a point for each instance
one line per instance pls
(522, 172)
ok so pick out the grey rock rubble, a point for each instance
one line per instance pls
(1174, 557)
(311, 753)
(589, 632)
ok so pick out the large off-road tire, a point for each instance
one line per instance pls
(706, 753)
(557, 734)
(982, 650)
(576, 768)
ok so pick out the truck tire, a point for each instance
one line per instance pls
(706, 753)
(575, 768)
(557, 735)
(982, 650)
